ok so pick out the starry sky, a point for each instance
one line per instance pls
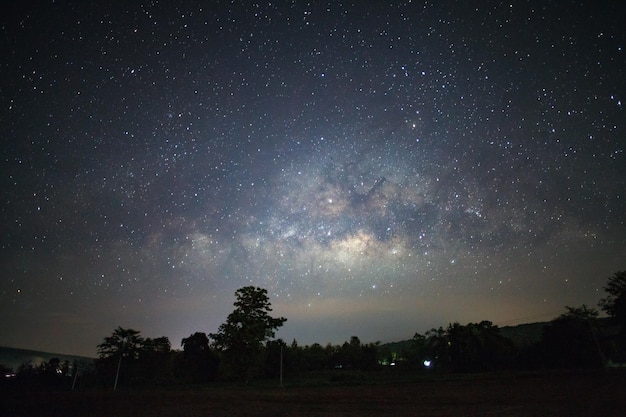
(380, 168)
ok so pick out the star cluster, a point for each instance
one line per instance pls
(379, 168)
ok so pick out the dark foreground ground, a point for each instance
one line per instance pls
(546, 394)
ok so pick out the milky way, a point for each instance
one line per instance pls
(380, 169)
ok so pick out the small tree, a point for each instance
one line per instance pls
(122, 345)
(614, 304)
(241, 338)
(571, 340)
(437, 347)
(417, 351)
(199, 361)
(153, 359)
(123, 342)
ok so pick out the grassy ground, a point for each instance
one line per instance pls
(511, 395)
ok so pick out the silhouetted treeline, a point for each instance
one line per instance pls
(577, 339)
(351, 355)
(199, 362)
(574, 340)
(53, 374)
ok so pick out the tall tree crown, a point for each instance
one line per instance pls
(250, 324)
(125, 342)
(615, 302)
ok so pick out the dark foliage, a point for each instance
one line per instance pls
(240, 339)
(54, 374)
(572, 340)
(126, 358)
(615, 306)
(243, 348)
(199, 362)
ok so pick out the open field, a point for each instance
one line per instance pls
(511, 395)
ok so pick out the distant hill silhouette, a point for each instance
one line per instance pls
(522, 335)
(13, 357)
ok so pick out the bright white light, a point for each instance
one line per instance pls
(427, 363)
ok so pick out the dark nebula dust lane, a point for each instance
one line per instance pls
(380, 169)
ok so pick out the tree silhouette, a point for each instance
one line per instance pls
(614, 304)
(242, 336)
(124, 345)
(153, 357)
(466, 348)
(478, 347)
(438, 347)
(571, 341)
(126, 353)
(158, 345)
(195, 344)
(199, 361)
(416, 352)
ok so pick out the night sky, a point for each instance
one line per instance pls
(380, 168)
